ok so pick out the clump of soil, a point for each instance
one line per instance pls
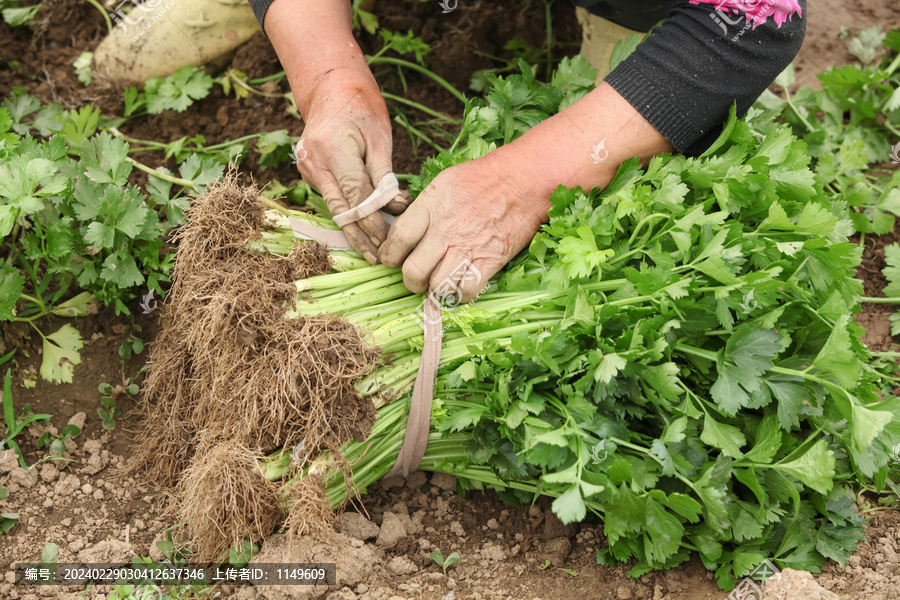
(230, 379)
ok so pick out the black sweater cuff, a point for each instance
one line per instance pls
(685, 77)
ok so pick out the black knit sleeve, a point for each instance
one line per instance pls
(702, 59)
(259, 9)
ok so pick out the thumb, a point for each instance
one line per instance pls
(405, 234)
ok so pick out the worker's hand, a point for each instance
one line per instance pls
(476, 216)
(465, 226)
(346, 150)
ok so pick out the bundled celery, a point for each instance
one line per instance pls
(674, 354)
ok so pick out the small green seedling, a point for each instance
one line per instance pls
(108, 411)
(7, 520)
(15, 425)
(29, 378)
(173, 549)
(49, 553)
(445, 563)
(49, 557)
(241, 555)
(136, 592)
(132, 345)
(571, 572)
(544, 566)
(57, 443)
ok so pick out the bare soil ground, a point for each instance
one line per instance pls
(95, 514)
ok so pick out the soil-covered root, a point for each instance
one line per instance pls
(293, 383)
(227, 362)
(224, 498)
(231, 379)
(219, 223)
(306, 507)
(164, 444)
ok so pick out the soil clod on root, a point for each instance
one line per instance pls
(228, 368)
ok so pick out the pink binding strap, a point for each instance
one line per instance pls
(335, 240)
(418, 424)
(386, 190)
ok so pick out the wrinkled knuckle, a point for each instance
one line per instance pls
(413, 277)
(354, 186)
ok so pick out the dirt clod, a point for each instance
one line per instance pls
(795, 585)
(356, 526)
(392, 531)
(49, 472)
(400, 565)
(444, 481)
(107, 551)
(354, 564)
(556, 551)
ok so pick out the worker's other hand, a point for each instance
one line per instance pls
(476, 216)
(345, 150)
(465, 226)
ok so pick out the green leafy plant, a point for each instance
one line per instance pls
(7, 519)
(891, 272)
(107, 409)
(49, 553)
(82, 66)
(674, 354)
(364, 18)
(544, 566)
(132, 345)
(15, 425)
(445, 563)
(172, 548)
(75, 223)
(16, 15)
(403, 44)
(848, 127)
(867, 46)
(57, 443)
(175, 92)
(241, 555)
